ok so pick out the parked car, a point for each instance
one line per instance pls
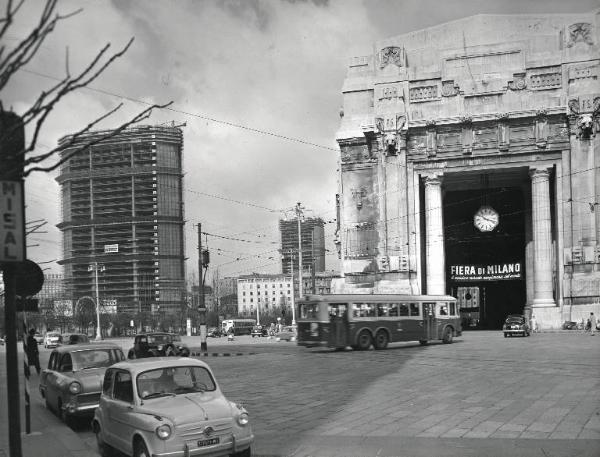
(52, 339)
(516, 324)
(259, 330)
(157, 344)
(39, 338)
(74, 338)
(72, 382)
(287, 333)
(171, 407)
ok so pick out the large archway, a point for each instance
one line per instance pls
(485, 265)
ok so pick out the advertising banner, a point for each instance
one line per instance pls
(481, 272)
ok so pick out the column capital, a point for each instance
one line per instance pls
(433, 178)
(539, 173)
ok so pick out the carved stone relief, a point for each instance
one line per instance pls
(354, 153)
(388, 93)
(467, 135)
(549, 79)
(359, 195)
(423, 93)
(541, 129)
(584, 117)
(449, 89)
(431, 138)
(503, 132)
(580, 32)
(518, 82)
(391, 54)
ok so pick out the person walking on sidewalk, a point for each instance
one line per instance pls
(592, 321)
(31, 349)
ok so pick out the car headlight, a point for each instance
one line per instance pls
(75, 387)
(163, 431)
(160, 347)
(243, 419)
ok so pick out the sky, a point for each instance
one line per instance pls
(257, 84)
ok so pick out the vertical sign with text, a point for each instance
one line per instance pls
(12, 222)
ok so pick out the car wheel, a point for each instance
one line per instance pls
(244, 453)
(140, 449)
(364, 340)
(131, 354)
(381, 340)
(423, 342)
(506, 335)
(447, 338)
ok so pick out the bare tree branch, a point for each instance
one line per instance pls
(138, 118)
(47, 100)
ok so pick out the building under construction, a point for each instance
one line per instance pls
(122, 218)
(312, 235)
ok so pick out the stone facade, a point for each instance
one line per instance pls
(486, 102)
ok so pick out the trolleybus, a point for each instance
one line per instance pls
(361, 321)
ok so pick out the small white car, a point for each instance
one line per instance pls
(52, 339)
(166, 406)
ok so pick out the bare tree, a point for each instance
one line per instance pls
(13, 60)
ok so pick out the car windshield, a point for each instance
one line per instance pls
(174, 381)
(94, 358)
(53, 335)
(518, 319)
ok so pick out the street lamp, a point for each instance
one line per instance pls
(95, 267)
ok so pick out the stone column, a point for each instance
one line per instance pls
(542, 238)
(434, 236)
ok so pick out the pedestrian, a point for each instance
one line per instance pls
(33, 355)
(534, 328)
(592, 321)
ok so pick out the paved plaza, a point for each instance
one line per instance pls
(483, 395)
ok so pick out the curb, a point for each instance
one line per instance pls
(220, 354)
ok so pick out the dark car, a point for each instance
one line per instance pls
(259, 330)
(516, 324)
(74, 338)
(157, 344)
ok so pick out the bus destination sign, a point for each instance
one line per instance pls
(479, 272)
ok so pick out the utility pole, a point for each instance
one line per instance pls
(95, 267)
(12, 251)
(202, 265)
(299, 216)
(312, 254)
(291, 253)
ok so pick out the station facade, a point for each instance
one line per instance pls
(470, 165)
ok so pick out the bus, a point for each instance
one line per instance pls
(239, 326)
(361, 321)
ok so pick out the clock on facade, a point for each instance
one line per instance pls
(486, 219)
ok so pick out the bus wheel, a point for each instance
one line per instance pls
(364, 340)
(447, 339)
(381, 340)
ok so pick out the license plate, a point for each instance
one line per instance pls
(209, 442)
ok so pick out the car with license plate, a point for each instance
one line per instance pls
(157, 344)
(287, 333)
(516, 324)
(169, 407)
(52, 339)
(72, 381)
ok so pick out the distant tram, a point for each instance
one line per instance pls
(361, 321)
(239, 326)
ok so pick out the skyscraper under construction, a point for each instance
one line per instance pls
(122, 218)
(312, 235)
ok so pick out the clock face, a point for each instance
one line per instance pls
(486, 219)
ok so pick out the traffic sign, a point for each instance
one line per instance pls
(12, 222)
(30, 278)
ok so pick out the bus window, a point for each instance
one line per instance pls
(429, 309)
(309, 311)
(442, 309)
(393, 312)
(453, 309)
(403, 309)
(337, 309)
(414, 309)
(383, 309)
(364, 310)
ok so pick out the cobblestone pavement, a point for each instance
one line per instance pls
(483, 395)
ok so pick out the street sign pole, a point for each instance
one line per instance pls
(12, 251)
